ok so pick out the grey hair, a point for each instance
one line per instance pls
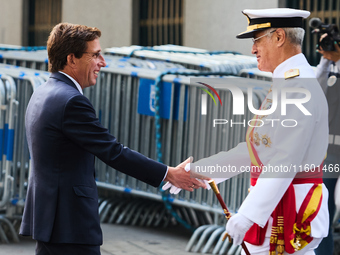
(294, 34)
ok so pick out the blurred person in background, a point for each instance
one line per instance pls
(328, 75)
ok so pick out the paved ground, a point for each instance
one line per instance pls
(123, 240)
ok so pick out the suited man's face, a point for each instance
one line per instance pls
(88, 66)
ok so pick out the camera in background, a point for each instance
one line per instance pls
(327, 43)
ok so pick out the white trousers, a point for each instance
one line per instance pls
(264, 250)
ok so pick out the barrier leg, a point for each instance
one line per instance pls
(194, 217)
(204, 237)
(125, 211)
(225, 246)
(153, 215)
(132, 212)
(146, 214)
(139, 212)
(220, 243)
(3, 236)
(232, 250)
(105, 212)
(160, 217)
(11, 229)
(195, 236)
(212, 239)
(116, 211)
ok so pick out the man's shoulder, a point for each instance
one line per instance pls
(59, 83)
(304, 71)
(60, 79)
(296, 66)
(56, 91)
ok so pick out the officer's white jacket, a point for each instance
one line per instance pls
(304, 145)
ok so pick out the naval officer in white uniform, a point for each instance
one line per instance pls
(294, 137)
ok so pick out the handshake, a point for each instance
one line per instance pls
(179, 178)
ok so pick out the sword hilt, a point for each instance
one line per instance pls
(214, 187)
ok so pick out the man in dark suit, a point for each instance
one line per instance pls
(64, 136)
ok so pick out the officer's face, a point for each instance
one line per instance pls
(264, 50)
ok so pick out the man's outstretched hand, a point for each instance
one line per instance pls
(178, 178)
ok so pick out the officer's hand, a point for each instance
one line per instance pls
(237, 227)
(180, 178)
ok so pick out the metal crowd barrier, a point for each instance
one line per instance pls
(38, 60)
(164, 56)
(129, 114)
(31, 59)
(10, 47)
(191, 58)
(115, 97)
(118, 101)
(255, 73)
(24, 71)
(16, 88)
(122, 62)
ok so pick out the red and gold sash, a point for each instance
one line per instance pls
(288, 233)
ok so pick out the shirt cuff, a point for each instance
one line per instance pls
(166, 173)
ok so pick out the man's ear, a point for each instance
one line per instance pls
(71, 60)
(280, 37)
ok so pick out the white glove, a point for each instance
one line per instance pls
(173, 189)
(237, 227)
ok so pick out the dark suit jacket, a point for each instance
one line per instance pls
(64, 136)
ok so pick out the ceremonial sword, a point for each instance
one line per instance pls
(227, 214)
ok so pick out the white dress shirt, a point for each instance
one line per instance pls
(74, 81)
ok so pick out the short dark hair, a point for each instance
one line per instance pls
(66, 38)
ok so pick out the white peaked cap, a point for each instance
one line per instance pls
(261, 19)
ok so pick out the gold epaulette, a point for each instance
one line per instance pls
(292, 73)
